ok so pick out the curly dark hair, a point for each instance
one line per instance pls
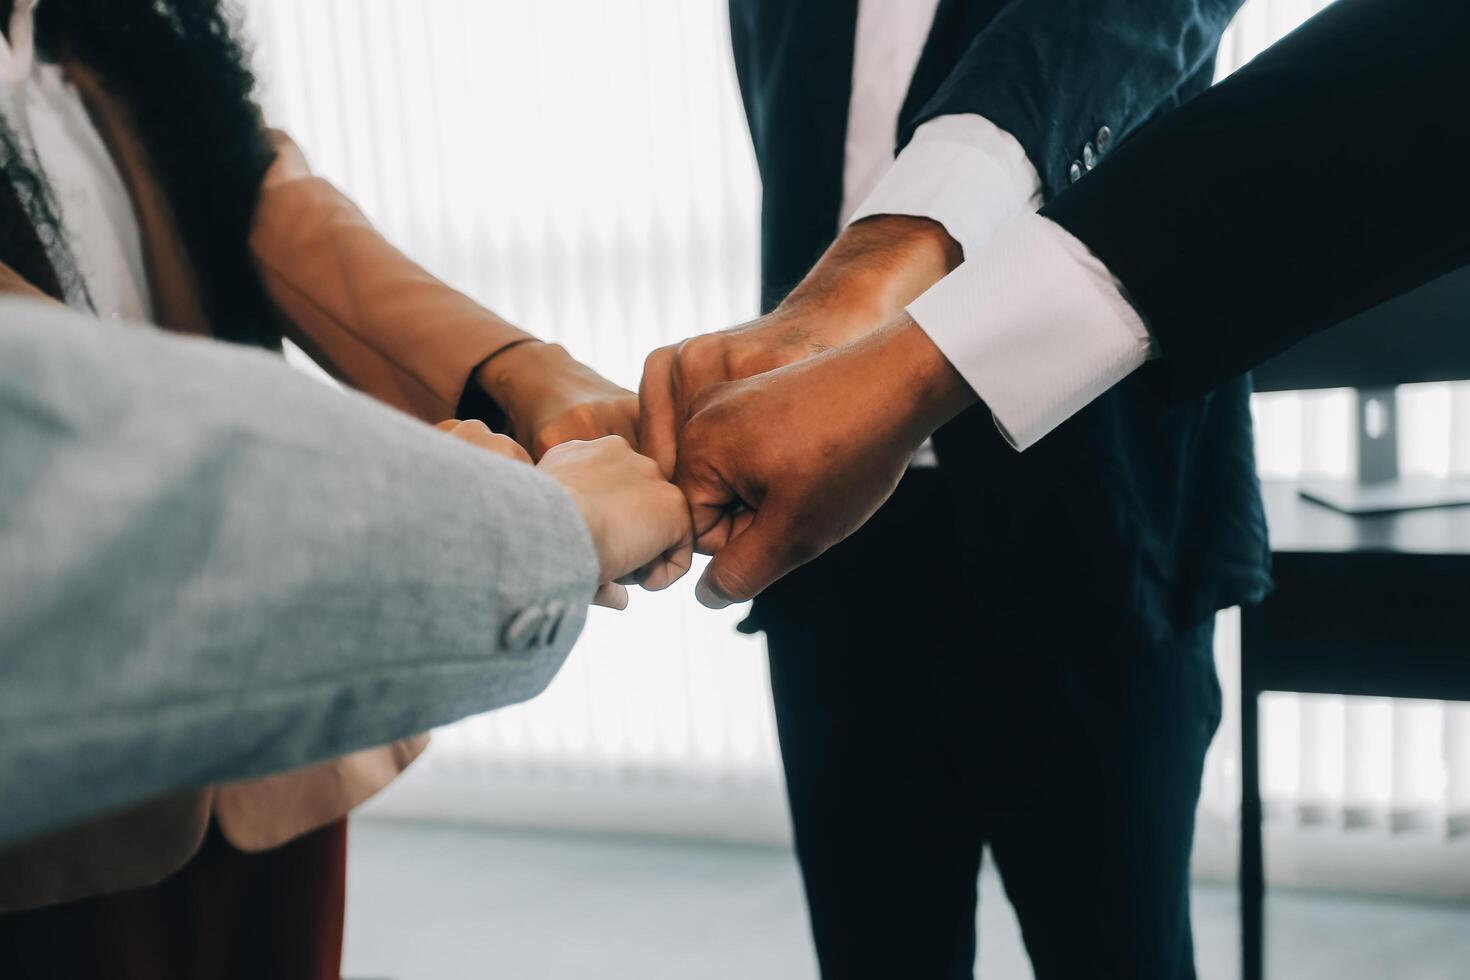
(183, 70)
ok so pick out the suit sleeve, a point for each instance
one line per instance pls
(1319, 180)
(213, 568)
(368, 313)
(1056, 73)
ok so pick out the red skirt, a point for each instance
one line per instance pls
(226, 915)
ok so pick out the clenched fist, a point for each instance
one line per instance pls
(779, 467)
(639, 521)
(864, 280)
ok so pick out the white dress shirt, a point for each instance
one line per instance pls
(51, 123)
(1037, 325)
(1033, 368)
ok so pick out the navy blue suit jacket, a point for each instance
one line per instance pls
(1138, 505)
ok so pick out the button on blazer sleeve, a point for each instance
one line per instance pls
(1321, 179)
(1071, 78)
(212, 567)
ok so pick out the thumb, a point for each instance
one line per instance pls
(768, 548)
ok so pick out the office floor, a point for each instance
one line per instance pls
(433, 902)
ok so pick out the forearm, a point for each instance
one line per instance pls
(1261, 244)
(883, 262)
(377, 320)
(1055, 73)
(1235, 235)
(214, 568)
(383, 325)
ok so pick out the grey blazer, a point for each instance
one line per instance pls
(213, 568)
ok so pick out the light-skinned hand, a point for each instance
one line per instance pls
(639, 520)
(609, 594)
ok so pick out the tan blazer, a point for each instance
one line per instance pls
(379, 323)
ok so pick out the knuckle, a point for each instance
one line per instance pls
(659, 370)
(670, 496)
(706, 398)
(579, 421)
(692, 434)
(699, 354)
(615, 443)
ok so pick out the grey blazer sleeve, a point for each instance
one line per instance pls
(212, 567)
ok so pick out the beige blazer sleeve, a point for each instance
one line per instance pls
(369, 314)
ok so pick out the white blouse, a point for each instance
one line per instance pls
(48, 118)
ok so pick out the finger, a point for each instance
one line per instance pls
(712, 506)
(657, 432)
(478, 434)
(716, 508)
(734, 520)
(697, 367)
(472, 431)
(503, 446)
(768, 548)
(678, 531)
(611, 596)
(447, 425)
(713, 503)
(669, 567)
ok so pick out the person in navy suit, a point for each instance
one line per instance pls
(1015, 652)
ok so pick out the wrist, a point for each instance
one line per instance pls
(875, 268)
(590, 514)
(519, 380)
(924, 384)
(592, 519)
(509, 370)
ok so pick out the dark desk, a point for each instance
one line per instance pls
(1363, 605)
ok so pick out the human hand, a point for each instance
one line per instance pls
(779, 467)
(549, 397)
(873, 269)
(477, 433)
(638, 520)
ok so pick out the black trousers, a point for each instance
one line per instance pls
(916, 731)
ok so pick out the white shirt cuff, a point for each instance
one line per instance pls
(1036, 324)
(964, 172)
